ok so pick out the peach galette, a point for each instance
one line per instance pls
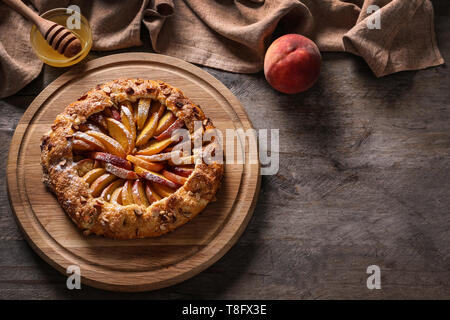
(113, 160)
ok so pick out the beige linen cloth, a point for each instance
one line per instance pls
(233, 35)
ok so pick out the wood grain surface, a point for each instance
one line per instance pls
(363, 179)
(130, 265)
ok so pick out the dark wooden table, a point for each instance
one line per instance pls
(364, 179)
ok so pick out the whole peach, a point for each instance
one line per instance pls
(292, 63)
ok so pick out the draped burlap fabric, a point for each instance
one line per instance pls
(233, 35)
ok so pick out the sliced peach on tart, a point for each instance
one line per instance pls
(121, 172)
(180, 180)
(110, 144)
(185, 171)
(92, 175)
(148, 131)
(110, 158)
(120, 133)
(151, 194)
(127, 193)
(95, 143)
(128, 121)
(101, 183)
(139, 196)
(163, 190)
(154, 147)
(116, 196)
(155, 177)
(158, 107)
(159, 157)
(142, 114)
(166, 120)
(145, 164)
(170, 130)
(109, 190)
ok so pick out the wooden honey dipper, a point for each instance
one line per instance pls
(58, 37)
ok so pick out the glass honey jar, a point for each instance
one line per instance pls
(50, 56)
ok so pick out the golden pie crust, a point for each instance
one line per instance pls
(100, 217)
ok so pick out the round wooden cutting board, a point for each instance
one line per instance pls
(130, 265)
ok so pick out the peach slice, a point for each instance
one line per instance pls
(84, 166)
(152, 196)
(145, 164)
(180, 180)
(167, 119)
(128, 121)
(120, 172)
(127, 193)
(163, 190)
(170, 130)
(92, 175)
(80, 145)
(100, 183)
(138, 192)
(116, 196)
(154, 177)
(154, 147)
(120, 133)
(179, 145)
(148, 131)
(110, 158)
(183, 171)
(111, 145)
(108, 191)
(160, 156)
(95, 143)
(142, 113)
